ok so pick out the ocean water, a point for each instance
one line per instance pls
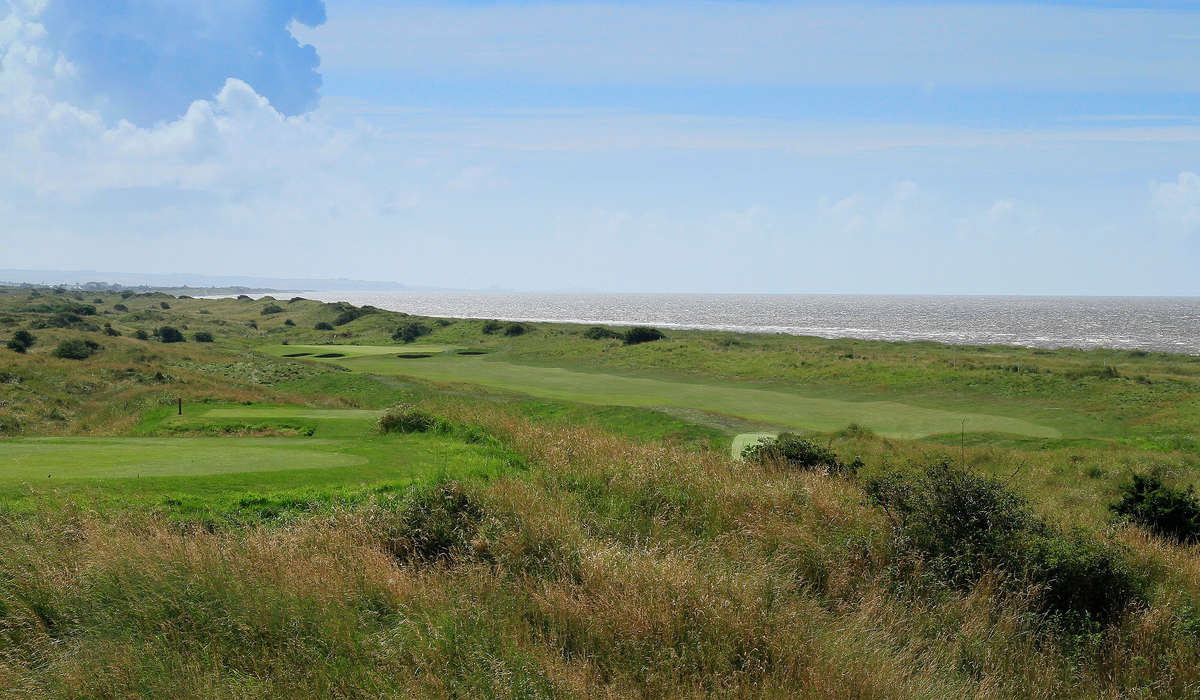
(1146, 323)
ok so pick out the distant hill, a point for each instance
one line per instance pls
(196, 281)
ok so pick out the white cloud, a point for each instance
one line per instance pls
(1177, 204)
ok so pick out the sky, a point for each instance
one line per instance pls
(760, 147)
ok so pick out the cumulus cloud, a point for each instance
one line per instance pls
(148, 60)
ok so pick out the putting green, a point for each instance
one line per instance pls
(293, 412)
(889, 418)
(743, 440)
(40, 459)
(358, 350)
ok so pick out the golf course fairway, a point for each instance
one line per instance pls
(781, 408)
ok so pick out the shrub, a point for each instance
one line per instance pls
(110, 331)
(120, 307)
(1165, 510)
(75, 349)
(407, 418)
(514, 329)
(141, 334)
(243, 297)
(601, 333)
(97, 300)
(437, 523)
(164, 305)
(293, 300)
(203, 337)
(350, 313)
(289, 322)
(490, 327)
(63, 319)
(272, 309)
(964, 525)
(21, 341)
(410, 332)
(323, 326)
(126, 294)
(169, 334)
(252, 324)
(642, 334)
(796, 452)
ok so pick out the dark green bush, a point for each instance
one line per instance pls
(203, 337)
(272, 309)
(406, 418)
(439, 522)
(164, 305)
(75, 349)
(141, 334)
(601, 333)
(796, 452)
(642, 334)
(63, 319)
(514, 329)
(252, 324)
(323, 326)
(289, 322)
(350, 313)
(411, 331)
(21, 341)
(243, 297)
(120, 307)
(110, 331)
(169, 334)
(964, 525)
(1165, 510)
(490, 327)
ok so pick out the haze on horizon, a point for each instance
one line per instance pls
(902, 147)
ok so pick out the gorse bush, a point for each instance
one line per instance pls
(322, 326)
(120, 307)
(600, 333)
(164, 305)
(203, 337)
(141, 334)
(642, 334)
(110, 331)
(514, 329)
(169, 334)
(407, 418)
(490, 327)
(289, 322)
(411, 331)
(21, 341)
(75, 349)
(964, 526)
(1165, 510)
(438, 522)
(794, 451)
(272, 309)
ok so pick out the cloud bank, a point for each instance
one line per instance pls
(147, 60)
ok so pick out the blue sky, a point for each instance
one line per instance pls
(971, 147)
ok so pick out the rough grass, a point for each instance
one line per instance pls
(611, 568)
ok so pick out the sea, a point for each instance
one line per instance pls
(1170, 324)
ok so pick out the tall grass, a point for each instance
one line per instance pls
(609, 568)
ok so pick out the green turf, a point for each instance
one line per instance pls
(784, 408)
(743, 440)
(346, 459)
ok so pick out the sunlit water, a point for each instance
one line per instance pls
(1146, 323)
